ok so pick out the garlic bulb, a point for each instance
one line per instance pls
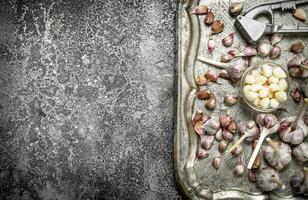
(295, 137)
(277, 155)
(300, 152)
(268, 180)
(250, 129)
(212, 125)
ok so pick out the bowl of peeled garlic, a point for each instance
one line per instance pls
(265, 86)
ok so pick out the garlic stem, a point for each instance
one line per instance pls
(279, 182)
(212, 62)
(238, 142)
(301, 112)
(273, 144)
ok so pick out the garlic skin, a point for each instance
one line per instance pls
(228, 40)
(268, 180)
(206, 141)
(278, 158)
(300, 152)
(264, 49)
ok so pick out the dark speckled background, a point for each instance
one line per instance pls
(87, 99)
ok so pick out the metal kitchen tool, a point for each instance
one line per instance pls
(252, 30)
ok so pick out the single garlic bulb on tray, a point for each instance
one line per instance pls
(266, 86)
(268, 180)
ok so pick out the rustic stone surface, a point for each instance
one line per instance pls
(87, 99)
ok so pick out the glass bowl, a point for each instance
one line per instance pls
(242, 84)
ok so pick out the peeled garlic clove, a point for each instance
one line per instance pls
(228, 40)
(226, 135)
(206, 141)
(266, 70)
(226, 58)
(256, 87)
(202, 153)
(198, 127)
(275, 38)
(261, 79)
(201, 80)
(273, 79)
(209, 18)
(274, 87)
(230, 100)
(218, 135)
(250, 96)
(246, 88)
(216, 162)
(274, 103)
(217, 26)
(211, 45)
(299, 14)
(200, 10)
(281, 96)
(283, 85)
(250, 79)
(197, 117)
(279, 73)
(264, 49)
(275, 52)
(256, 102)
(236, 8)
(255, 73)
(263, 92)
(248, 51)
(204, 94)
(297, 46)
(264, 103)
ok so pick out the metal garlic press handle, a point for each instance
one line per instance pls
(296, 29)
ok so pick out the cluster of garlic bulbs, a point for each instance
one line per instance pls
(266, 87)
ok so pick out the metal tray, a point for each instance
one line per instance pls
(198, 179)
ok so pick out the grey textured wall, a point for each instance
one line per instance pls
(87, 99)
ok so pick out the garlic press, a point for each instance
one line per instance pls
(252, 30)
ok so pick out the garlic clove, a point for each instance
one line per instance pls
(224, 74)
(275, 38)
(246, 88)
(283, 85)
(256, 102)
(255, 73)
(232, 128)
(252, 176)
(226, 135)
(198, 127)
(275, 52)
(273, 79)
(297, 46)
(270, 120)
(239, 169)
(197, 117)
(250, 79)
(250, 96)
(225, 121)
(274, 103)
(236, 8)
(263, 92)
(264, 49)
(218, 135)
(299, 14)
(211, 103)
(206, 141)
(295, 61)
(211, 45)
(201, 80)
(209, 18)
(230, 100)
(248, 52)
(212, 125)
(200, 10)
(256, 87)
(281, 96)
(264, 103)
(204, 94)
(295, 72)
(226, 58)
(211, 76)
(216, 162)
(228, 40)
(296, 95)
(222, 146)
(266, 70)
(217, 26)
(202, 153)
(274, 87)
(279, 73)
(233, 52)
(261, 79)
